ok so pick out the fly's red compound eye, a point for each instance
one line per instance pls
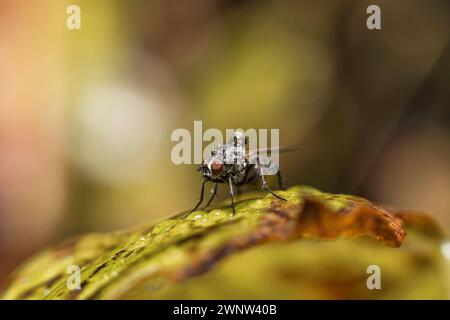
(216, 167)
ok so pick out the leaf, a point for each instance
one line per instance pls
(145, 261)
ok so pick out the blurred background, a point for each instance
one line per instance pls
(86, 115)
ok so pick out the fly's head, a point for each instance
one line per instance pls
(212, 168)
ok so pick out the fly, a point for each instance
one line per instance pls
(234, 165)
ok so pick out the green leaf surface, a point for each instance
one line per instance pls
(215, 254)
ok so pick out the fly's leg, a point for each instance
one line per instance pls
(230, 186)
(265, 186)
(214, 194)
(264, 183)
(202, 191)
(280, 180)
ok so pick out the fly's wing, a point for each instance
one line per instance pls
(253, 154)
(275, 150)
(269, 164)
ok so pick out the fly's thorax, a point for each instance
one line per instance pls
(228, 156)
